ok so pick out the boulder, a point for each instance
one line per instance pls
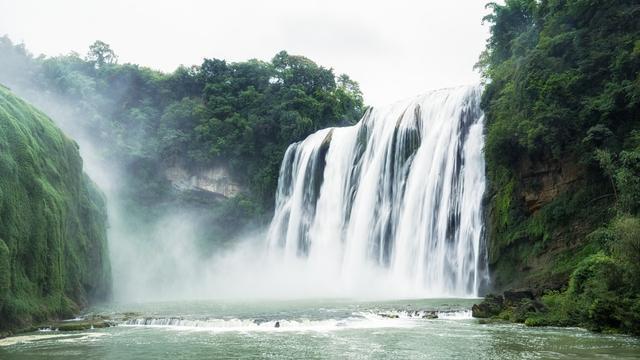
(492, 305)
(430, 315)
(389, 315)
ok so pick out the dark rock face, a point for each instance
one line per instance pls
(543, 181)
(524, 243)
(514, 297)
(492, 305)
(513, 305)
(389, 316)
(523, 309)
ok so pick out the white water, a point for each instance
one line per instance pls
(357, 320)
(393, 200)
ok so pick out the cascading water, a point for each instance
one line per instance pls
(394, 199)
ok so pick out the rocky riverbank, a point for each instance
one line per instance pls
(513, 305)
(77, 324)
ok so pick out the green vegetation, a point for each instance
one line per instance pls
(563, 157)
(53, 247)
(238, 115)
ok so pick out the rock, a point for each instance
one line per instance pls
(215, 180)
(430, 315)
(389, 316)
(526, 308)
(492, 305)
(259, 321)
(79, 325)
(514, 297)
(544, 181)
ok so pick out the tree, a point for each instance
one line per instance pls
(100, 53)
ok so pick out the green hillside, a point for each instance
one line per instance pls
(53, 245)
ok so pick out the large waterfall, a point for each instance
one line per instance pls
(398, 195)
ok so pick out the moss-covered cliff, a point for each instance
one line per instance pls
(53, 246)
(563, 158)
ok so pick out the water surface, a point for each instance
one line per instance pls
(313, 329)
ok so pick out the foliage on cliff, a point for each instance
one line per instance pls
(563, 93)
(240, 115)
(53, 249)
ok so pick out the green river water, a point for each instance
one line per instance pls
(331, 329)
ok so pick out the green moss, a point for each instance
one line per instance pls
(506, 314)
(544, 246)
(53, 250)
(5, 280)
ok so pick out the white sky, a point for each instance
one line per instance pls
(394, 49)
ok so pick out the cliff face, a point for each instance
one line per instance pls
(53, 245)
(562, 136)
(542, 182)
(540, 214)
(214, 180)
(563, 159)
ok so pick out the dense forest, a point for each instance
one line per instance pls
(53, 237)
(562, 101)
(238, 115)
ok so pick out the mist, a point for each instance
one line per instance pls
(166, 250)
(168, 255)
(161, 256)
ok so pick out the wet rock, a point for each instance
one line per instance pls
(389, 316)
(430, 315)
(78, 325)
(513, 305)
(492, 305)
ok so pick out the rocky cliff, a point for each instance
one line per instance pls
(214, 180)
(539, 217)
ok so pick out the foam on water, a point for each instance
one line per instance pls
(366, 321)
(358, 320)
(51, 335)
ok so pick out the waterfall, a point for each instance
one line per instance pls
(398, 194)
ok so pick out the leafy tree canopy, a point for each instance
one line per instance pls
(242, 115)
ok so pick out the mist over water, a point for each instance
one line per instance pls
(164, 255)
(387, 208)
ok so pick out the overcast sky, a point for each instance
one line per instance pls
(394, 49)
